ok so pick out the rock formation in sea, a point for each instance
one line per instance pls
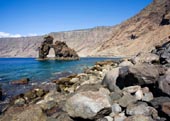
(61, 50)
(147, 29)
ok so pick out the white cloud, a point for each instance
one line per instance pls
(4, 35)
(32, 34)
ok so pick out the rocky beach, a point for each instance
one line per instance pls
(106, 73)
(131, 89)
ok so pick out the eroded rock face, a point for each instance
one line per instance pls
(62, 51)
(88, 104)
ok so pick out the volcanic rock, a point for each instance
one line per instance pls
(88, 104)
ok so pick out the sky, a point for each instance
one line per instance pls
(38, 17)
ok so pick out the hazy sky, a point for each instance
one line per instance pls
(29, 17)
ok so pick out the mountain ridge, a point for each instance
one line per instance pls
(150, 27)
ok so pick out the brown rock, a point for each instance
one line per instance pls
(166, 108)
(21, 81)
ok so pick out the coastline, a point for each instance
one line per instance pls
(126, 89)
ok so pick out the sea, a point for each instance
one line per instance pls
(39, 71)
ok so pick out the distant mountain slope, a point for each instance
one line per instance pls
(150, 27)
(84, 42)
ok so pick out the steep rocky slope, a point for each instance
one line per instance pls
(150, 27)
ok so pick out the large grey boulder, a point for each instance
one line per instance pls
(88, 104)
(164, 82)
(141, 109)
(110, 79)
(139, 74)
(126, 100)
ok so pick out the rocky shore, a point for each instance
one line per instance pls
(132, 89)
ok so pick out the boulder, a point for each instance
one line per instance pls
(141, 109)
(132, 89)
(110, 79)
(125, 63)
(115, 96)
(126, 100)
(139, 74)
(158, 101)
(146, 58)
(88, 105)
(21, 81)
(147, 96)
(116, 108)
(166, 108)
(164, 82)
(138, 118)
(120, 117)
(163, 52)
(31, 113)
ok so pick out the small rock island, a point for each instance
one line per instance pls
(60, 50)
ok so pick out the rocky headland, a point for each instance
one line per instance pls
(132, 89)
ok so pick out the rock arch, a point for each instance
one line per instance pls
(61, 50)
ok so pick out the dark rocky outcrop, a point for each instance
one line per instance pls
(62, 51)
(163, 52)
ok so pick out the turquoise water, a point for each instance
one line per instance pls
(38, 72)
(17, 68)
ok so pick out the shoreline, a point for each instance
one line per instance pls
(124, 89)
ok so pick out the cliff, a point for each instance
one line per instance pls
(140, 33)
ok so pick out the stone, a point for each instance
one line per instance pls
(158, 101)
(21, 81)
(126, 100)
(110, 79)
(74, 80)
(132, 89)
(116, 108)
(164, 82)
(115, 96)
(31, 113)
(103, 63)
(108, 118)
(163, 52)
(119, 117)
(19, 102)
(87, 104)
(89, 87)
(139, 74)
(63, 117)
(135, 109)
(125, 63)
(139, 94)
(138, 118)
(146, 58)
(166, 108)
(148, 96)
